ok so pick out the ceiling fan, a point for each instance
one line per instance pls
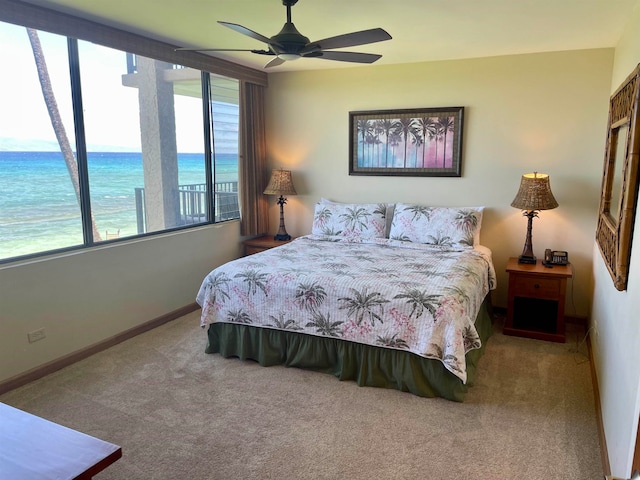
(290, 44)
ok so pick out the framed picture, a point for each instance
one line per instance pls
(618, 200)
(425, 142)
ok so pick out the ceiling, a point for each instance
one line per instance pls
(422, 30)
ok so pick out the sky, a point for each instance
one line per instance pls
(110, 109)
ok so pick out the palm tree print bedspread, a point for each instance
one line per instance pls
(387, 293)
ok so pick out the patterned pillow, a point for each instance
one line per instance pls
(388, 215)
(447, 226)
(352, 220)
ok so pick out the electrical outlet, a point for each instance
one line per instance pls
(36, 335)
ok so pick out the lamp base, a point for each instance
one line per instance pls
(282, 238)
(527, 259)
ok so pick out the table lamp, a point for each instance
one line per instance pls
(534, 195)
(281, 184)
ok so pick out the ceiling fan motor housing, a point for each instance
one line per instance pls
(288, 40)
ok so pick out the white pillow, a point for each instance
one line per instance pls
(448, 226)
(388, 215)
(352, 220)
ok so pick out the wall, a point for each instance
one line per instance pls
(545, 112)
(84, 297)
(616, 327)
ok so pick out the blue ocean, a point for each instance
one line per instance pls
(38, 206)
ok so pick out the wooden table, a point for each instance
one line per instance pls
(32, 448)
(260, 244)
(535, 306)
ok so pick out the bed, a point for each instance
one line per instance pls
(392, 296)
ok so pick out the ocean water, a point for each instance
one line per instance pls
(38, 206)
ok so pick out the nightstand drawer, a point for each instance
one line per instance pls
(537, 287)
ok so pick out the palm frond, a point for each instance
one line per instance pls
(254, 280)
(324, 325)
(310, 296)
(218, 284)
(392, 342)
(419, 301)
(238, 316)
(363, 304)
(283, 323)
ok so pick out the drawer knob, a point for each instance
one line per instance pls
(536, 286)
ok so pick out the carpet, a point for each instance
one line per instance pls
(179, 413)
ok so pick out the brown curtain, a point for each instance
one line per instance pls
(252, 168)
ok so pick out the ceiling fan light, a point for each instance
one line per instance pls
(288, 56)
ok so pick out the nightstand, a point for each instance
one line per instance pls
(260, 244)
(535, 307)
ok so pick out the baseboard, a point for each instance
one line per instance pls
(581, 320)
(604, 452)
(59, 363)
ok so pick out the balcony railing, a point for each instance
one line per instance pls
(193, 204)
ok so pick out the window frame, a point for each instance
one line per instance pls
(75, 28)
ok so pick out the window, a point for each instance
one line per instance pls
(39, 207)
(150, 156)
(225, 113)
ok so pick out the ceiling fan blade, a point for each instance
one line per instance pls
(354, 57)
(349, 40)
(274, 63)
(187, 49)
(246, 31)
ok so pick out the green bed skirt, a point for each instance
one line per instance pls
(366, 365)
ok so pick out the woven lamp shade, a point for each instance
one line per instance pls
(535, 193)
(280, 183)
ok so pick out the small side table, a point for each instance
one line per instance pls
(535, 307)
(260, 244)
(32, 447)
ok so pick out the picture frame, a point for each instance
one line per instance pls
(618, 200)
(418, 142)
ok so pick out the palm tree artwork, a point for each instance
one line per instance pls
(420, 142)
(364, 128)
(429, 131)
(406, 128)
(445, 125)
(386, 128)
